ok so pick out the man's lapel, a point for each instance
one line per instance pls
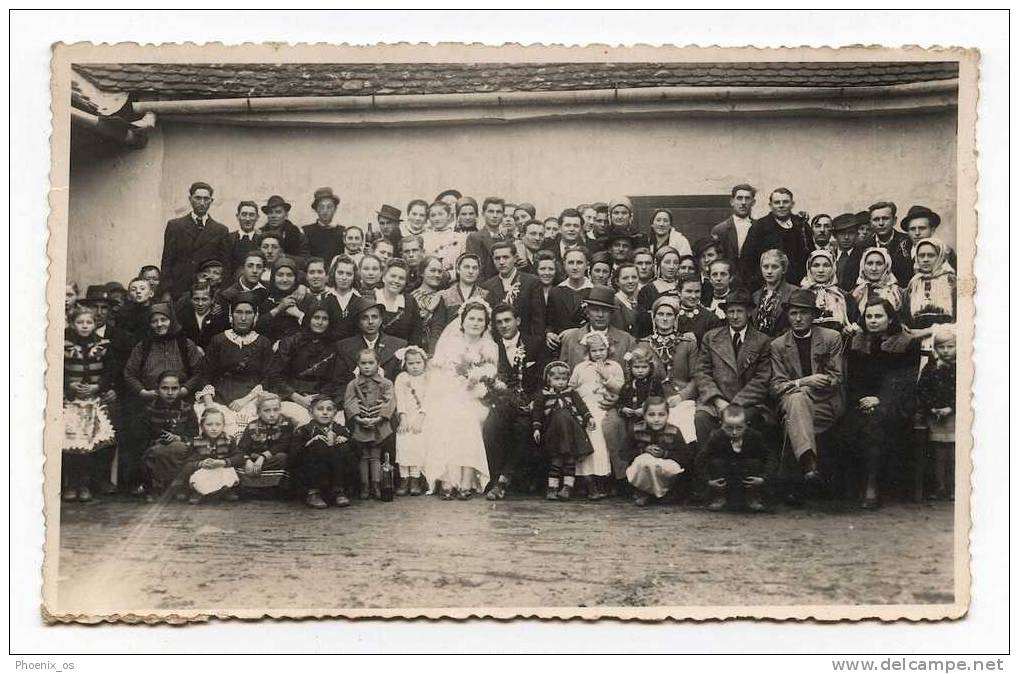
(792, 354)
(725, 349)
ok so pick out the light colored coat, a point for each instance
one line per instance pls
(738, 378)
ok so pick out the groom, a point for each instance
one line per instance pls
(507, 431)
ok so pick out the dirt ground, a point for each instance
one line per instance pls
(119, 556)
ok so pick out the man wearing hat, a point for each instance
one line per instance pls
(190, 239)
(621, 244)
(846, 232)
(732, 232)
(292, 239)
(368, 316)
(325, 238)
(599, 306)
(388, 219)
(734, 366)
(807, 377)
(920, 223)
(121, 344)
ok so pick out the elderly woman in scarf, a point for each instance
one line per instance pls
(834, 312)
(876, 279)
(304, 365)
(675, 358)
(930, 296)
(429, 300)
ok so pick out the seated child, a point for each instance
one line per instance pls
(410, 446)
(320, 456)
(264, 444)
(644, 382)
(561, 422)
(662, 455)
(936, 395)
(171, 424)
(213, 460)
(735, 456)
(369, 405)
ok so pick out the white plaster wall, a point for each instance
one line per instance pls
(119, 206)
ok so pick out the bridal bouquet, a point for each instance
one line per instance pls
(480, 375)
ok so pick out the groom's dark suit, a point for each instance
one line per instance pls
(507, 430)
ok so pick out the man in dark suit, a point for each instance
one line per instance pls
(780, 229)
(529, 245)
(292, 239)
(325, 239)
(522, 291)
(884, 235)
(507, 432)
(243, 240)
(191, 239)
(732, 232)
(846, 231)
(195, 313)
(368, 315)
(570, 234)
(734, 367)
(480, 242)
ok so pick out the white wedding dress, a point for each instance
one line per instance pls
(454, 415)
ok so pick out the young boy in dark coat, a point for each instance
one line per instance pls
(735, 456)
(560, 420)
(322, 455)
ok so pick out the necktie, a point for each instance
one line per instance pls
(736, 343)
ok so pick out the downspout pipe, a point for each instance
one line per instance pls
(551, 98)
(114, 128)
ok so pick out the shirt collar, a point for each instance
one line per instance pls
(742, 333)
(250, 236)
(587, 284)
(199, 220)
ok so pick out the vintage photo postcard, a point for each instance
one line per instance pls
(460, 331)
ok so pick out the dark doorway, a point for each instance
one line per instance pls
(692, 214)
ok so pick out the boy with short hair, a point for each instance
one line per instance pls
(369, 405)
(134, 315)
(735, 456)
(320, 456)
(264, 444)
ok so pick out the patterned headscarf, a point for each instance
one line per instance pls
(830, 300)
(887, 286)
(933, 291)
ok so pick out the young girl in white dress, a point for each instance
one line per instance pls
(410, 410)
(463, 366)
(594, 379)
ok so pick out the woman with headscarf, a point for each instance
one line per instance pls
(667, 261)
(280, 314)
(675, 356)
(304, 365)
(769, 301)
(876, 279)
(164, 348)
(236, 362)
(664, 234)
(881, 384)
(835, 312)
(930, 297)
(429, 300)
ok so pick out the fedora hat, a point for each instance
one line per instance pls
(803, 298)
(704, 243)
(921, 212)
(738, 297)
(320, 194)
(94, 294)
(391, 212)
(358, 305)
(274, 201)
(601, 296)
(844, 222)
(863, 218)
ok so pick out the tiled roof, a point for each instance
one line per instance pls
(184, 81)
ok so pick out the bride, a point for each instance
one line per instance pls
(465, 360)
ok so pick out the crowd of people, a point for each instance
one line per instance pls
(477, 350)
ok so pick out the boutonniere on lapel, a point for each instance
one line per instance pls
(513, 292)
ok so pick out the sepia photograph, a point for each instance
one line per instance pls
(456, 331)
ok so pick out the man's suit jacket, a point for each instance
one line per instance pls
(850, 269)
(294, 243)
(239, 248)
(554, 244)
(528, 373)
(573, 352)
(347, 350)
(527, 302)
(725, 233)
(480, 243)
(523, 263)
(738, 378)
(764, 235)
(185, 248)
(826, 357)
(213, 323)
